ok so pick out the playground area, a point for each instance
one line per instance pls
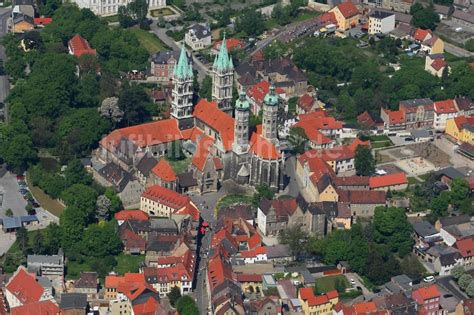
(416, 166)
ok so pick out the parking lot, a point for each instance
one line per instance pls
(12, 198)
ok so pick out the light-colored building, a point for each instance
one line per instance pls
(347, 15)
(381, 22)
(163, 202)
(198, 37)
(110, 7)
(461, 129)
(435, 64)
(444, 110)
(46, 265)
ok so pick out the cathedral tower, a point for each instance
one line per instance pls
(241, 125)
(223, 79)
(182, 94)
(270, 116)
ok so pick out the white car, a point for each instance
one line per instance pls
(428, 279)
(352, 282)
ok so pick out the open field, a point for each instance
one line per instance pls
(148, 40)
(47, 203)
(161, 12)
(180, 166)
(330, 283)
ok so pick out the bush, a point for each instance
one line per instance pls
(469, 45)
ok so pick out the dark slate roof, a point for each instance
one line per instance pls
(417, 102)
(464, 102)
(420, 133)
(424, 228)
(163, 225)
(465, 16)
(449, 258)
(450, 172)
(163, 57)
(114, 174)
(87, 280)
(187, 180)
(447, 221)
(441, 9)
(146, 164)
(381, 14)
(467, 148)
(278, 251)
(73, 301)
(200, 31)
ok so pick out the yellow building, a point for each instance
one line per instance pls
(461, 129)
(250, 282)
(433, 45)
(347, 15)
(317, 304)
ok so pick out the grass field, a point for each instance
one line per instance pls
(380, 141)
(127, 263)
(180, 166)
(148, 40)
(46, 202)
(329, 283)
(161, 12)
(232, 199)
(111, 19)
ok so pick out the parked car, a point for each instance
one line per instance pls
(428, 279)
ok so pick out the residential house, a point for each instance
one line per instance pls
(22, 23)
(144, 167)
(444, 110)
(428, 299)
(367, 122)
(198, 36)
(160, 201)
(412, 114)
(231, 43)
(466, 249)
(347, 15)
(467, 149)
(449, 221)
(436, 65)
(162, 65)
(317, 304)
(460, 129)
(397, 5)
(164, 279)
(465, 105)
(279, 254)
(266, 305)
(79, 46)
(22, 289)
(363, 203)
(73, 303)
(422, 135)
(306, 104)
(433, 45)
(126, 215)
(453, 233)
(46, 265)
(250, 282)
(396, 181)
(341, 158)
(465, 307)
(41, 307)
(381, 22)
(425, 234)
(87, 284)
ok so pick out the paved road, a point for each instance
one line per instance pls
(457, 51)
(4, 83)
(448, 284)
(12, 199)
(161, 34)
(358, 283)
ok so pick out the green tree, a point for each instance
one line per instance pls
(22, 238)
(364, 161)
(101, 240)
(174, 295)
(424, 17)
(175, 152)
(464, 281)
(298, 139)
(186, 305)
(76, 174)
(391, 227)
(295, 238)
(470, 289)
(439, 206)
(51, 239)
(469, 44)
(17, 152)
(459, 191)
(9, 213)
(82, 198)
(263, 191)
(250, 22)
(115, 202)
(411, 266)
(339, 285)
(457, 272)
(206, 88)
(133, 102)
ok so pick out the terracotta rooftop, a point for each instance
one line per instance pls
(388, 180)
(23, 286)
(80, 46)
(131, 215)
(164, 171)
(348, 9)
(445, 107)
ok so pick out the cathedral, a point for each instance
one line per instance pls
(216, 134)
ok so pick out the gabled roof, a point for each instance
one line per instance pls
(164, 171)
(231, 44)
(348, 9)
(438, 64)
(258, 91)
(43, 20)
(365, 308)
(131, 215)
(425, 293)
(445, 107)
(23, 286)
(38, 308)
(245, 277)
(465, 247)
(306, 102)
(166, 197)
(263, 148)
(463, 122)
(362, 196)
(395, 117)
(388, 180)
(210, 114)
(80, 46)
(421, 35)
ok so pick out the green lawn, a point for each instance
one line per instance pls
(328, 283)
(413, 181)
(148, 40)
(111, 19)
(233, 199)
(379, 138)
(180, 166)
(380, 141)
(161, 12)
(128, 263)
(49, 204)
(306, 15)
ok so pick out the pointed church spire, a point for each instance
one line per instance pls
(183, 69)
(223, 61)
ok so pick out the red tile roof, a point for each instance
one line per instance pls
(395, 116)
(42, 20)
(258, 91)
(115, 281)
(212, 116)
(37, 308)
(348, 9)
(431, 41)
(465, 247)
(421, 34)
(362, 196)
(164, 171)
(150, 307)
(244, 277)
(231, 44)
(132, 240)
(332, 294)
(80, 46)
(312, 133)
(438, 64)
(166, 197)
(306, 102)
(307, 294)
(352, 181)
(425, 293)
(328, 18)
(320, 120)
(388, 180)
(445, 107)
(262, 250)
(262, 147)
(218, 271)
(131, 215)
(317, 166)
(461, 121)
(365, 308)
(24, 287)
(149, 134)
(366, 120)
(218, 163)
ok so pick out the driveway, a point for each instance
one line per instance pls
(358, 283)
(447, 147)
(451, 286)
(12, 199)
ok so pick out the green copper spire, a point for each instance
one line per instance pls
(242, 103)
(183, 69)
(271, 98)
(223, 61)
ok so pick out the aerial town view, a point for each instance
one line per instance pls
(231, 157)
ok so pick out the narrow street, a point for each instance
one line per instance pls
(4, 83)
